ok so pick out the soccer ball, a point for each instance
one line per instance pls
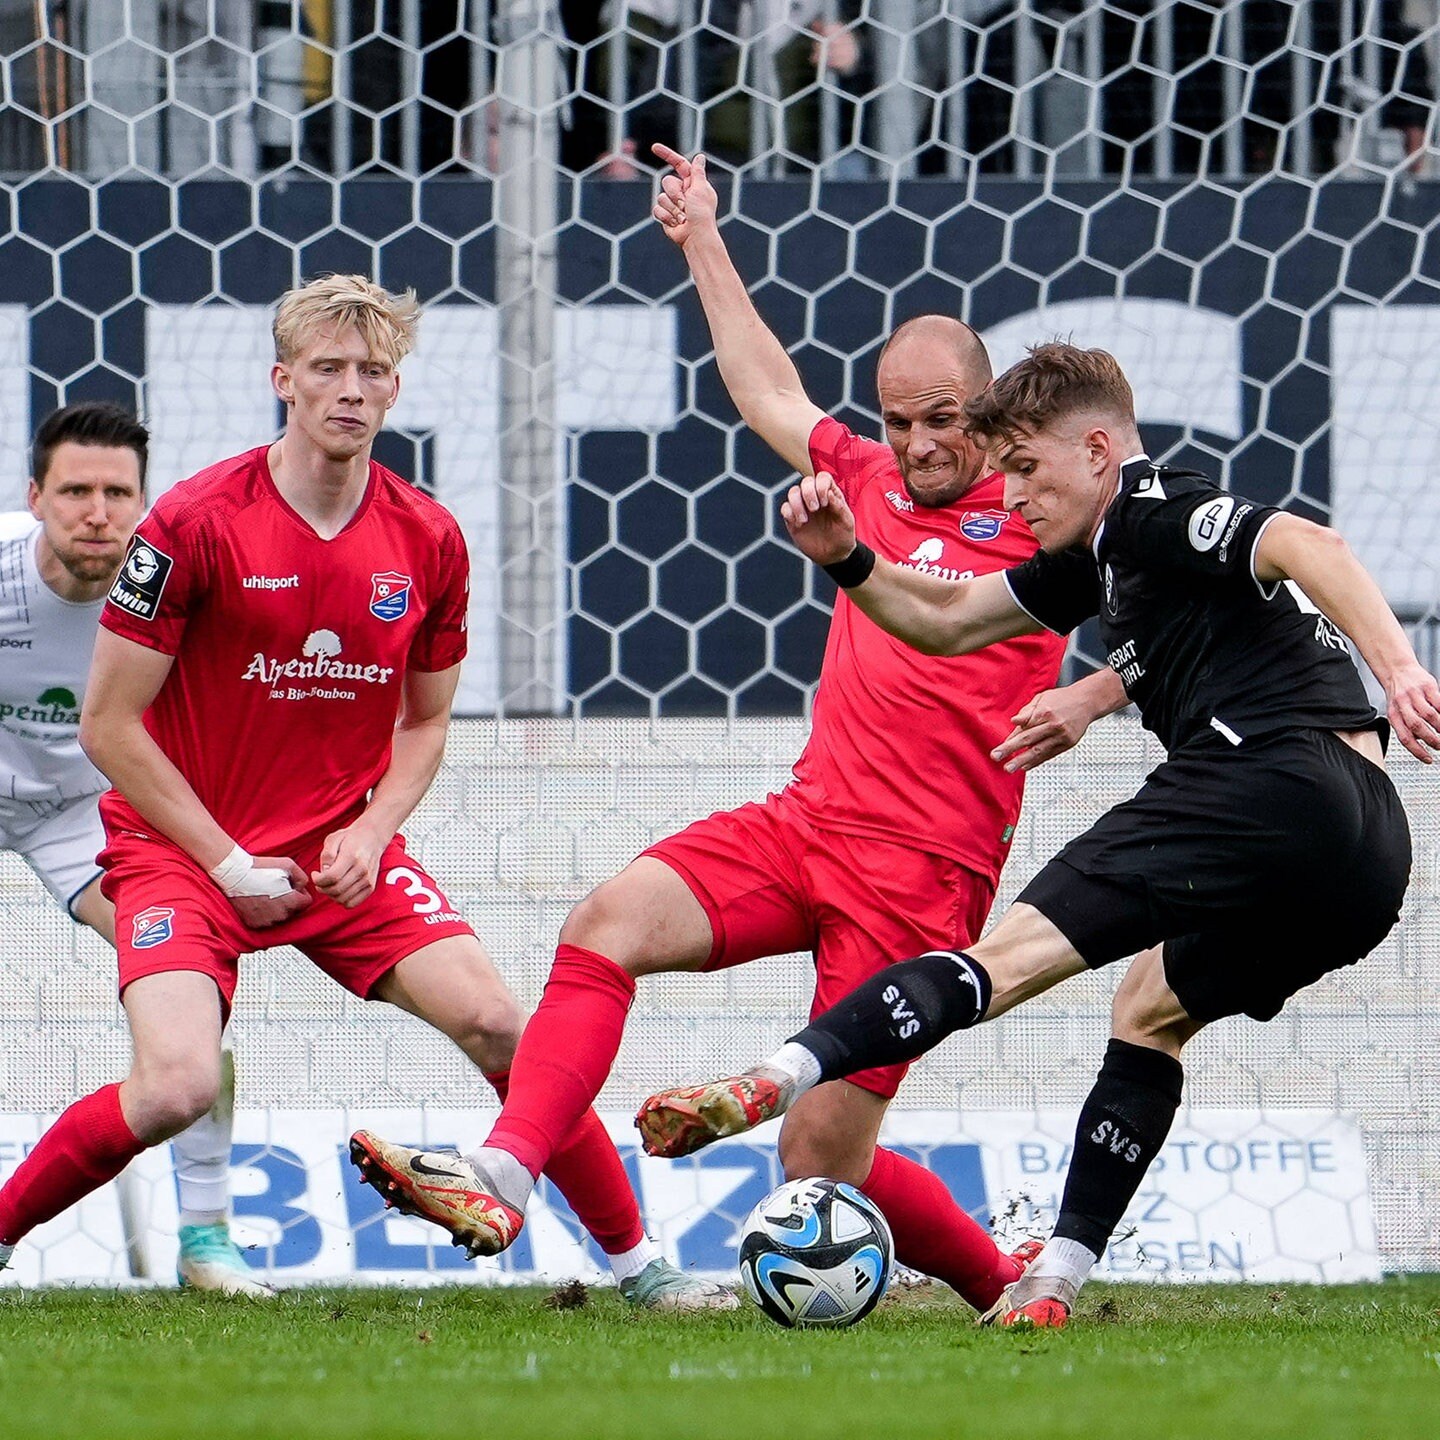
(816, 1252)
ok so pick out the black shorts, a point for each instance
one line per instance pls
(1261, 868)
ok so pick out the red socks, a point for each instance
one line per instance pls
(933, 1234)
(88, 1145)
(564, 1055)
(587, 1170)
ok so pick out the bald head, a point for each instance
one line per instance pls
(928, 369)
(944, 338)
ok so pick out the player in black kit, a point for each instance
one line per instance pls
(1269, 848)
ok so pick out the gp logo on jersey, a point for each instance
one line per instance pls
(1207, 521)
(141, 581)
(389, 595)
(152, 927)
(982, 525)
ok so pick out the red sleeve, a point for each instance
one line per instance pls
(440, 641)
(838, 451)
(162, 577)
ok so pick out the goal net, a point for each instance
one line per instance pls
(1235, 199)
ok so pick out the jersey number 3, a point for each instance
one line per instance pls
(425, 900)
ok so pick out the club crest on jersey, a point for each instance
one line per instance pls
(982, 525)
(389, 595)
(152, 927)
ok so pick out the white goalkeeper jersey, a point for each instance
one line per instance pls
(45, 649)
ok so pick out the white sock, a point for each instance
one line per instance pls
(633, 1261)
(1059, 1271)
(202, 1170)
(504, 1174)
(797, 1069)
(204, 1217)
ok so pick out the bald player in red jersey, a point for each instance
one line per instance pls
(897, 821)
(270, 695)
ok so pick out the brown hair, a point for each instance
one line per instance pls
(1053, 381)
(92, 422)
(336, 302)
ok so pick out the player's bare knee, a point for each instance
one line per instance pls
(1146, 1011)
(605, 922)
(166, 1097)
(1134, 1016)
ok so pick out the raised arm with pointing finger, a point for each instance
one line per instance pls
(761, 378)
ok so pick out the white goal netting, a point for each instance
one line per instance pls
(1235, 198)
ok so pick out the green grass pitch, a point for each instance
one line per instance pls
(1219, 1362)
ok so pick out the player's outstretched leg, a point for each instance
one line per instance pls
(209, 1258)
(441, 1186)
(894, 1017)
(681, 1121)
(480, 1197)
(449, 1189)
(644, 920)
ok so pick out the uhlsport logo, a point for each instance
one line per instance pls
(983, 525)
(153, 927)
(389, 595)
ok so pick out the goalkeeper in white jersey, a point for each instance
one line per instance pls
(57, 562)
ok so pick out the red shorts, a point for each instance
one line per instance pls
(772, 882)
(169, 915)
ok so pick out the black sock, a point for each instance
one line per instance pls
(899, 1014)
(1123, 1124)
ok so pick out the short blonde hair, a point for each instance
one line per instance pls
(336, 302)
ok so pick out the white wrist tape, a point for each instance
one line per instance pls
(238, 876)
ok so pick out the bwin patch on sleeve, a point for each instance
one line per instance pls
(141, 581)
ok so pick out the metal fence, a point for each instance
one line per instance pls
(853, 88)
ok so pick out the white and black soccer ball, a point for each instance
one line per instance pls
(816, 1252)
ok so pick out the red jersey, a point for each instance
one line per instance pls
(900, 742)
(290, 651)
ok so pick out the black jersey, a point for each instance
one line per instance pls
(1200, 644)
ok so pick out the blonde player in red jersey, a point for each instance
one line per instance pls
(270, 695)
(898, 805)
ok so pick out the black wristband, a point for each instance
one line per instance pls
(854, 569)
